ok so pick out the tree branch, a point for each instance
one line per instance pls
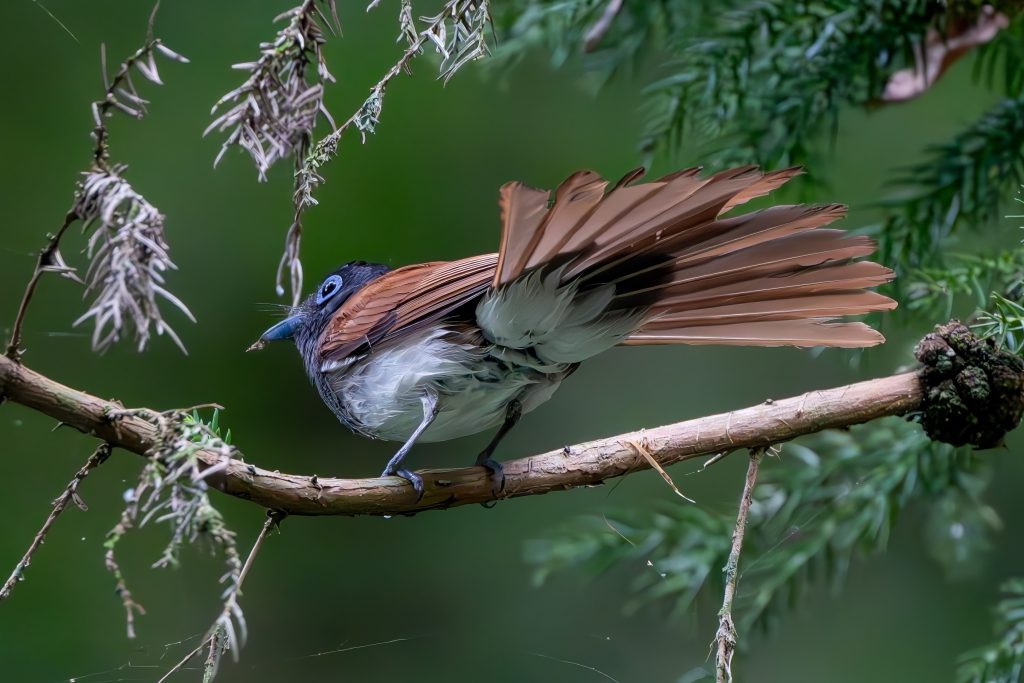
(585, 464)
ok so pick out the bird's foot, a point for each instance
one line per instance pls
(415, 480)
(497, 473)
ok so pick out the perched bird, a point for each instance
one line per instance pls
(438, 350)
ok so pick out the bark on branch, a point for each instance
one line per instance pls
(584, 464)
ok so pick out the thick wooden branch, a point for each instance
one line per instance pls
(584, 464)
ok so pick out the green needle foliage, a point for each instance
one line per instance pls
(777, 74)
(827, 500)
(1003, 660)
(756, 81)
(935, 293)
(961, 184)
(995, 285)
(1004, 321)
(676, 550)
(562, 28)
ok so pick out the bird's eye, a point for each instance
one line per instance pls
(329, 288)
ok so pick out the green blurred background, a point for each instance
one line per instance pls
(448, 593)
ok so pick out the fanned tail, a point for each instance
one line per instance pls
(767, 278)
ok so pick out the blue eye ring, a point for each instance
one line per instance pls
(330, 287)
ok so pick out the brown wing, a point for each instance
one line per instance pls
(404, 300)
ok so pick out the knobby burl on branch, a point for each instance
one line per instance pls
(964, 381)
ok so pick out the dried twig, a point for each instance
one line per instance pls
(70, 493)
(458, 34)
(277, 107)
(128, 250)
(49, 261)
(120, 93)
(123, 526)
(656, 466)
(458, 45)
(129, 255)
(725, 638)
(275, 110)
(223, 636)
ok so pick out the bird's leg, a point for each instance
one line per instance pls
(512, 414)
(430, 410)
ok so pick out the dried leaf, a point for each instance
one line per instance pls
(639, 447)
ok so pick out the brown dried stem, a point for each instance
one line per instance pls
(124, 524)
(938, 52)
(220, 638)
(49, 260)
(120, 87)
(726, 635)
(70, 493)
(427, 35)
(585, 464)
(119, 94)
(464, 44)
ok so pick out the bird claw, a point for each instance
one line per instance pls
(415, 480)
(497, 474)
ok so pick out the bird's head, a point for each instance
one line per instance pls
(306, 322)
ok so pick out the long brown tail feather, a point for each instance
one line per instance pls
(767, 278)
(733, 234)
(792, 308)
(683, 203)
(777, 333)
(720, 238)
(831, 279)
(780, 258)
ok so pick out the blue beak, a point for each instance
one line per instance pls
(280, 332)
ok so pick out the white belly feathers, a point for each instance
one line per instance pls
(380, 393)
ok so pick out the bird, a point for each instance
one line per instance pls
(439, 350)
